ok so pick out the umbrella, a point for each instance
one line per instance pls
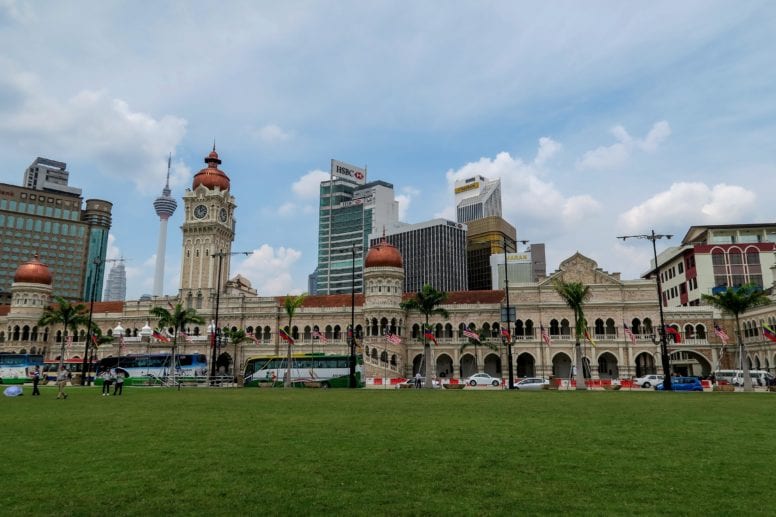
(12, 391)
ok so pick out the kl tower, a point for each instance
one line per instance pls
(165, 206)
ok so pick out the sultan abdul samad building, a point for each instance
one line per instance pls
(208, 232)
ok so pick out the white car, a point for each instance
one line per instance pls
(648, 381)
(532, 383)
(483, 379)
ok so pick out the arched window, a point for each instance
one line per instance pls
(519, 329)
(248, 330)
(199, 300)
(337, 332)
(689, 331)
(267, 333)
(448, 331)
(384, 326)
(359, 331)
(415, 331)
(26, 333)
(461, 327)
(295, 332)
(647, 328)
(384, 357)
(393, 326)
(438, 330)
(34, 336)
(494, 329)
(328, 332)
(529, 329)
(565, 329)
(599, 327)
(16, 333)
(554, 328)
(611, 331)
(375, 331)
(308, 335)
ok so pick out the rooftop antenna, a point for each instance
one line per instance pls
(169, 166)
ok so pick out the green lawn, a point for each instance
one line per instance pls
(394, 452)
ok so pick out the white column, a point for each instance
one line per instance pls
(160, 252)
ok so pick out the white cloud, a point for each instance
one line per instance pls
(269, 270)
(17, 11)
(286, 209)
(547, 149)
(617, 154)
(689, 204)
(272, 134)
(525, 196)
(309, 185)
(405, 200)
(91, 126)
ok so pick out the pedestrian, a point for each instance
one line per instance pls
(418, 380)
(35, 380)
(119, 388)
(62, 376)
(106, 382)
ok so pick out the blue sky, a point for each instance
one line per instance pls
(601, 118)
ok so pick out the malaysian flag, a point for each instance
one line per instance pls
(471, 335)
(769, 333)
(629, 333)
(545, 335)
(674, 334)
(429, 334)
(589, 338)
(720, 333)
(393, 338)
(94, 341)
(285, 337)
(320, 337)
(159, 337)
(505, 335)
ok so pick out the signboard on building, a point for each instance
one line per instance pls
(350, 172)
(518, 258)
(467, 187)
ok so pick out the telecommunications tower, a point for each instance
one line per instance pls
(165, 206)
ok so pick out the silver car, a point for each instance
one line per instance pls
(483, 379)
(648, 381)
(532, 383)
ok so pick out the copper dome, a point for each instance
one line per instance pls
(33, 272)
(211, 176)
(383, 254)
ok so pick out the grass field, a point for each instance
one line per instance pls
(395, 452)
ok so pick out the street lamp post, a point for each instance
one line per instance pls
(89, 332)
(663, 345)
(352, 331)
(509, 316)
(216, 336)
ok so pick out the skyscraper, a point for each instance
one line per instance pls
(434, 252)
(165, 206)
(116, 285)
(45, 216)
(350, 211)
(477, 197)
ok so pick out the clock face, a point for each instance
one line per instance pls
(200, 211)
(222, 215)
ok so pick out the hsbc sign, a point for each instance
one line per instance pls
(350, 172)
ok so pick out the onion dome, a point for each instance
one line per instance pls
(33, 272)
(383, 254)
(211, 176)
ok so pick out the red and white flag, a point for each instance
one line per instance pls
(505, 335)
(471, 335)
(393, 338)
(629, 333)
(545, 335)
(720, 333)
(186, 337)
(320, 337)
(159, 337)
(253, 337)
(674, 334)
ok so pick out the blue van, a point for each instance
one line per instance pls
(683, 384)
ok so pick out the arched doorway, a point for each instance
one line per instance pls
(223, 363)
(645, 364)
(468, 365)
(526, 366)
(608, 367)
(689, 363)
(444, 366)
(492, 365)
(417, 365)
(561, 365)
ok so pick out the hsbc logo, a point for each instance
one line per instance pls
(359, 175)
(344, 170)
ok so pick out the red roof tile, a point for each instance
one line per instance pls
(4, 310)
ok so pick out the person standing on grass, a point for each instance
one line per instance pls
(106, 382)
(62, 376)
(35, 380)
(119, 388)
(418, 380)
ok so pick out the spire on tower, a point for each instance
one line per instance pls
(165, 204)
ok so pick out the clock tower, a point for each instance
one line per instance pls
(208, 232)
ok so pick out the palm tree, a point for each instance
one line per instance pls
(575, 294)
(484, 335)
(737, 301)
(177, 318)
(426, 302)
(235, 337)
(291, 304)
(69, 315)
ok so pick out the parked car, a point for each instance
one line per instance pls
(683, 384)
(532, 383)
(482, 379)
(648, 381)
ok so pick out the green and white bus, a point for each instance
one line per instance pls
(16, 368)
(323, 370)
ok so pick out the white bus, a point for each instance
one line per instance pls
(736, 377)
